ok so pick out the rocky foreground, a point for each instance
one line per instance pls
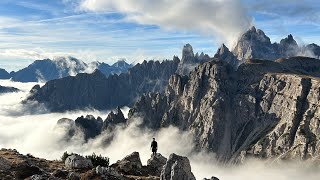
(14, 165)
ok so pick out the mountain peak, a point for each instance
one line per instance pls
(98, 73)
(121, 64)
(288, 40)
(253, 29)
(254, 43)
(187, 51)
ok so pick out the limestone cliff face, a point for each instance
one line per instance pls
(256, 44)
(263, 108)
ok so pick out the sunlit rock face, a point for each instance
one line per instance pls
(256, 44)
(263, 108)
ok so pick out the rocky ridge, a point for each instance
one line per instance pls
(264, 108)
(5, 89)
(115, 90)
(17, 166)
(89, 127)
(255, 44)
(47, 69)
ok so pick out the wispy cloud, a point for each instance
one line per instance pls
(222, 19)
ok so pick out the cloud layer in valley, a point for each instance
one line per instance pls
(38, 134)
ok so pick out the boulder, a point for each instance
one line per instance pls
(77, 162)
(60, 174)
(131, 164)
(73, 176)
(156, 162)
(101, 170)
(4, 164)
(25, 170)
(113, 172)
(107, 172)
(177, 168)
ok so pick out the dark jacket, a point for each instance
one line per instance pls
(154, 145)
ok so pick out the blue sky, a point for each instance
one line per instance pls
(108, 30)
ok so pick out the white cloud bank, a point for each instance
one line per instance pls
(37, 134)
(223, 19)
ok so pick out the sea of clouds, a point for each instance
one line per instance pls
(32, 129)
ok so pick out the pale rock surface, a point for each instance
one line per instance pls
(177, 168)
(264, 108)
(130, 163)
(77, 162)
(157, 162)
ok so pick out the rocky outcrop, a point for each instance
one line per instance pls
(4, 74)
(288, 47)
(225, 55)
(89, 127)
(14, 165)
(189, 60)
(177, 168)
(4, 164)
(5, 89)
(314, 48)
(100, 92)
(255, 44)
(261, 108)
(157, 162)
(131, 164)
(77, 162)
(19, 166)
(114, 119)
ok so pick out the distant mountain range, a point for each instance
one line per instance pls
(46, 70)
(5, 89)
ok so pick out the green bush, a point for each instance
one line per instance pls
(98, 160)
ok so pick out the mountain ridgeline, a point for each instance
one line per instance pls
(45, 70)
(259, 99)
(264, 108)
(100, 92)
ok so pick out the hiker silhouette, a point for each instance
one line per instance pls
(154, 146)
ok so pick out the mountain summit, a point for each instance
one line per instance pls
(47, 69)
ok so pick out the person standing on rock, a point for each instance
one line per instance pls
(154, 146)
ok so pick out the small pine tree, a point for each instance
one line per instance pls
(98, 160)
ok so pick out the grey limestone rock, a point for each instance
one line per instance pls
(156, 162)
(77, 162)
(177, 168)
(130, 164)
(264, 108)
